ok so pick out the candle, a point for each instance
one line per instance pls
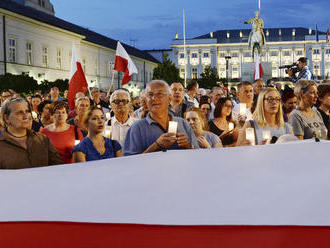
(242, 108)
(107, 131)
(76, 142)
(266, 135)
(108, 116)
(34, 115)
(172, 127)
(230, 126)
(249, 132)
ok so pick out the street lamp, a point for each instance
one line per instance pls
(227, 67)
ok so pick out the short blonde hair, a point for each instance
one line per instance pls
(259, 112)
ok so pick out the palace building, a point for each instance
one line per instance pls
(34, 41)
(283, 47)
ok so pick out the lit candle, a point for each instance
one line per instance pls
(107, 131)
(108, 116)
(230, 126)
(249, 132)
(266, 135)
(172, 127)
(242, 108)
(34, 115)
(76, 142)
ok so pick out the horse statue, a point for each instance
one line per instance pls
(257, 37)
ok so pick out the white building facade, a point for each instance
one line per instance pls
(283, 47)
(35, 42)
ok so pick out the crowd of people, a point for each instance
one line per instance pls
(41, 130)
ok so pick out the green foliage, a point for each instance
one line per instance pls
(61, 84)
(167, 71)
(209, 78)
(19, 83)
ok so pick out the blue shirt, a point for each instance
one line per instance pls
(87, 147)
(145, 132)
(303, 74)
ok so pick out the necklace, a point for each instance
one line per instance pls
(15, 135)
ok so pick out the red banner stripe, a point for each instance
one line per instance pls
(67, 234)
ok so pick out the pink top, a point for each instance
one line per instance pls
(63, 141)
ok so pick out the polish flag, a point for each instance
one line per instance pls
(258, 71)
(78, 82)
(124, 63)
(328, 33)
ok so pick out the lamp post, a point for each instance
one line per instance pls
(227, 68)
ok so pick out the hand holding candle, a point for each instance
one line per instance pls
(231, 126)
(249, 132)
(266, 135)
(172, 127)
(107, 132)
(242, 109)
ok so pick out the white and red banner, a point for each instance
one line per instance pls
(258, 70)
(78, 82)
(124, 64)
(258, 196)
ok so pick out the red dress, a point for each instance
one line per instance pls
(63, 141)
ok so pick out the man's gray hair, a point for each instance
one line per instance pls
(120, 91)
(161, 82)
(80, 99)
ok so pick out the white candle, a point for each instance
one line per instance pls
(249, 132)
(108, 116)
(107, 131)
(230, 126)
(172, 127)
(76, 142)
(34, 115)
(242, 108)
(266, 135)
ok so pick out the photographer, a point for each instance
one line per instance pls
(304, 72)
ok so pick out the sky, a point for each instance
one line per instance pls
(152, 24)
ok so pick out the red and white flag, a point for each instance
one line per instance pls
(124, 64)
(78, 82)
(258, 71)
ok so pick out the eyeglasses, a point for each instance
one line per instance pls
(271, 99)
(156, 95)
(123, 101)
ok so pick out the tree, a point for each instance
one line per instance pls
(61, 84)
(22, 83)
(209, 78)
(167, 71)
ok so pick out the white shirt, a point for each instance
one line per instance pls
(235, 113)
(119, 130)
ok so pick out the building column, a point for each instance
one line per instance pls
(322, 63)
(200, 65)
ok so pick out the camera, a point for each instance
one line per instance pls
(293, 67)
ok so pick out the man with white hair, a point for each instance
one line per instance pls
(152, 134)
(121, 121)
(216, 94)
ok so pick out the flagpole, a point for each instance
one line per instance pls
(259, 6)
(184, 49)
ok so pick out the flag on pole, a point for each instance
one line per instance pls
(124, 63)
(78, 82)
(259, 5)
(258, 71)
(316, 33)
(328, 33)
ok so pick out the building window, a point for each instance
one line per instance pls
(29, 53)
(246, 55)
(274, 53)
(42, 3)
(58, 58)
(12, 50)
(327, 51)
(181, 55)
(286, 53)
(316, 51)
(234, 55)
(299, 53)
(45, 56)
(84, 65)
(194, 55)
(205, 55)
(194, 73)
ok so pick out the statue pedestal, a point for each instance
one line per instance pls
(248, 71)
